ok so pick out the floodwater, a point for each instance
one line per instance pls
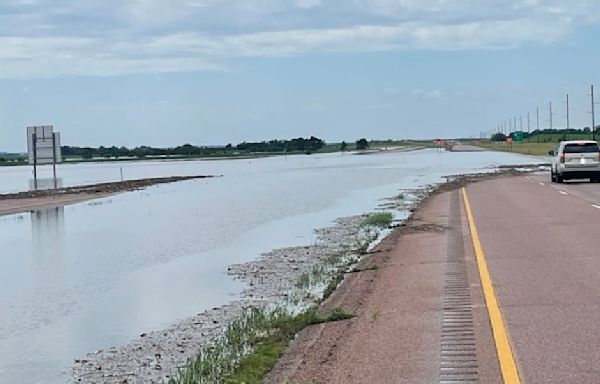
(97, 274)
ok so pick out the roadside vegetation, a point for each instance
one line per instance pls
(538, 142)
(250, 346)
(266, 333)
(379, 219)
(527, 148)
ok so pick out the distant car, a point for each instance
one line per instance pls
(577, 159)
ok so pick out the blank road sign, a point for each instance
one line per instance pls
(47, 145)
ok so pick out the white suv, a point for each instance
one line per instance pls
(579, 159)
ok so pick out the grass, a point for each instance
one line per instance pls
(375, 314)
(527, 148)
(537, 145)
(379, 219)
(269, 342)
(332, 286)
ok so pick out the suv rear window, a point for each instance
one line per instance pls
(581, 148)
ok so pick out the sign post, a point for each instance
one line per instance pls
(43, 147)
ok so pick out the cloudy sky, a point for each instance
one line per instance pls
(166, 72)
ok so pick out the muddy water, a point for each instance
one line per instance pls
(97, 274)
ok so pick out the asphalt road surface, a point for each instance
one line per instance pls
(423, 315)
(542, 246)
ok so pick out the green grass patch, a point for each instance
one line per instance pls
(337, 314)
(527, 148)
(332, 286)
(379, 219)
(268, 342)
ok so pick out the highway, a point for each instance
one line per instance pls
(541, 243)
(498, 282)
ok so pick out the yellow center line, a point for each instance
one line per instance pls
(508, 367)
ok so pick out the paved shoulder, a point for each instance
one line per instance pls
(420, 316)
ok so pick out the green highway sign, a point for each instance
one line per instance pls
(518, 136)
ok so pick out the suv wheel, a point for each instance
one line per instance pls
(552, 176)
(559, 178)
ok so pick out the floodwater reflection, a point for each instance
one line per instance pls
(47, 244)
(45, 183)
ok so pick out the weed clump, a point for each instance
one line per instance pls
(378, 220)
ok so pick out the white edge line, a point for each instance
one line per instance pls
(542, 184)
(596, 206)
(563, 192)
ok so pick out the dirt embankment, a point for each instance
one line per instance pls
(102, 188)
(12, 203)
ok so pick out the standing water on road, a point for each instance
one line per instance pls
(99, 273)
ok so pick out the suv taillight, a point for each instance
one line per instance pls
(562, 158)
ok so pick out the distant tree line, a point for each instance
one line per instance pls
(293, 145)
(274, 146)
(298, 145)
(557, 134)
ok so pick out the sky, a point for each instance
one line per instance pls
(210, 72)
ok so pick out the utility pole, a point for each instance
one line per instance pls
(537, 122)
(568, 123)
(515, 121)
(593, 115)
(551, 127)
(528, 123)
(521, 123)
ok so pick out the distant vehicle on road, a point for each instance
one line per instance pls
(577, 159)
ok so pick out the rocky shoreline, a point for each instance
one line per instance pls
(289, 275)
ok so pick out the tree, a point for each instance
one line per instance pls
(499, 137)
(362, 144)
(344, 146)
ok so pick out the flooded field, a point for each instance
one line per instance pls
(97, 274)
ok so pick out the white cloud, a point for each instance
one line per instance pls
(138, 36)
